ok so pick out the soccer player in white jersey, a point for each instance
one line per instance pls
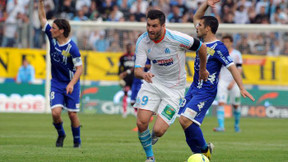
(201, 94)
(228, 89)
(66, 69)
(164, 85)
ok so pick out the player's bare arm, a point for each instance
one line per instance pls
(237, 77)
(70, 86)
(41, 12)
(202, 9)
(147, 76)
(203, 73)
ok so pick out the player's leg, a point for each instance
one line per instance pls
(191, 120)
(236, 101)
(75, 127)
(143, 117)
(167, 111)
(124, 101)
(72, 106)
(147, 103)
(56, 103)
(222, 96)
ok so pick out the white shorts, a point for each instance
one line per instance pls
(223, 93)
(161, 100)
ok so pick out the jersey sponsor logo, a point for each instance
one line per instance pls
(163, 62)
(168, 112)
(210, 51)
(223, 57)
(190, 113)
(167, 51)
(184, 46)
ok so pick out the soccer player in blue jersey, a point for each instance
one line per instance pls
(164, 84)
(202, 93)
(66, 69)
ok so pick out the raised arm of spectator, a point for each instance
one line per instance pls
(41, 12)
(202, 9)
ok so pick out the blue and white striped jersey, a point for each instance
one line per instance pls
(64, 58)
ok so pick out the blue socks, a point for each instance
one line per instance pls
(146, 141)
(60, 129)
(237, 115)
(220, 116)
(76, 134)
(195, 139)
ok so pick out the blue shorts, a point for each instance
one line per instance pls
(197, 102)
(59, 98)
(135, 89)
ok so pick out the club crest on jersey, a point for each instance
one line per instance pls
(65, 53)
(210, 51)
(167, 51)
(163, 62)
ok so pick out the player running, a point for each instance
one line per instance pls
(202, 93)
(164, 84)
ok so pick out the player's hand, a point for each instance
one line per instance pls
(203, 75)
(69, 88)
(245, 94)
(123, 75)
(212, 3)
(148, 77)
(230, 86)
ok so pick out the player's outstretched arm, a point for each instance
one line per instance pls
(236, 75)
(41, 12)
(202, 9)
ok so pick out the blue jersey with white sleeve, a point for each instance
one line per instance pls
(64, 59)
(201, 94)
(217, 55)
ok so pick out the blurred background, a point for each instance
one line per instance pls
(102, 28)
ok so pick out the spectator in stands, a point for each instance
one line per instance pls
(102, 44)
(262, 16)
(175, 16)
(66, 9)
(284, 50)
(26, 73)
(241, 15)
(243, 45)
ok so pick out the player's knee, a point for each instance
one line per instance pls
(185, 122)
(72, 115)
(142, 125)
(159, 132)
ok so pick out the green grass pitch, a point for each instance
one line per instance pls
(31, 137)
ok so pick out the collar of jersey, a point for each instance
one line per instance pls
(161, 38)
(63, 44)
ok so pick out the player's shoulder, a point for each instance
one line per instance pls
(176, 35)
(143, 38)
(235, 51)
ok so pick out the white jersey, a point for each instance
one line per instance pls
(225, 74)
(167, 57)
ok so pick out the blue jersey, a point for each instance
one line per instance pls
(217, 55)
(64, 59)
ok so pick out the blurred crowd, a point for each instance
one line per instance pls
(19, 21)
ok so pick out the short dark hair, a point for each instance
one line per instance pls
(228, 37)
(156, 14)
(63, 24)
(212, 22)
